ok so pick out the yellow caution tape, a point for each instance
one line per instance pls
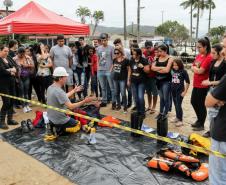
(150, 135)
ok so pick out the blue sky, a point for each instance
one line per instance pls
(150, 15)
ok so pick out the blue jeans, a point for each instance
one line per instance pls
(80, 79)
(177, 100)
(24, 88)
(94, 84)
(138, 94)
(120, 88)
(164, 94)
(217, 165)
(105, 78)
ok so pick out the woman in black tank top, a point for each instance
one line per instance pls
(162, 67)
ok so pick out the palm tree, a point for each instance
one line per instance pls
(200, 6)
(189, 4)
(210, 5)
(83, 12)
(98, 16)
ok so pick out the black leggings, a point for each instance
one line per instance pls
(198, 103)
(7, 103)
(44, 82)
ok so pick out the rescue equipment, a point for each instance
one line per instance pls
(109, 119)
(168, 159)
(197, 140)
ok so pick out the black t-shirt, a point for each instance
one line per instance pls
(137, 74)
(120, 69)
(216, 73)
(178, 79)
(163, 76)
(12, 53)
(218, 127)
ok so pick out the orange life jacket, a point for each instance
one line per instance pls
(161, 163)
(175, 155)
(109, 119)
(202, 173)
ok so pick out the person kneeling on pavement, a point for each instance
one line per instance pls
(57, 97)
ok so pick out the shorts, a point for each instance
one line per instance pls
(151, 87)
(70, 81)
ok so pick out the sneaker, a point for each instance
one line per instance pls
(30, 125)
(179, 124)
(103, 104)
(200, 128)
(4, 126)
(12, 122)
(24, 127)
(29, 109)
(25, 110)
(175, 120)
(207, 134)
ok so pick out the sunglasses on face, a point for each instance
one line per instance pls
(117, 53)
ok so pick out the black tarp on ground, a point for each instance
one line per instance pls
(116, 158)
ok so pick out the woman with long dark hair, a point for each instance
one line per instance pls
(201, 67)
(7, 86)
(120, 70)
(217, 71)
(139, 66)
(44, 75)
(92, 61)
(79, 69)
(26, 65)
(162, 67)
(33, 79)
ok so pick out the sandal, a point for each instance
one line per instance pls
(152, 111)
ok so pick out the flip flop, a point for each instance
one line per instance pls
(146, 110)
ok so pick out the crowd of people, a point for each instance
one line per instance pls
(118, 75)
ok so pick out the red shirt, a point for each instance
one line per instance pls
(93, 60)
(150, 59)
(204, 62)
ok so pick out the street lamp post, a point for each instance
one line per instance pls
(162, 16)
(138, 20)
(125, 29)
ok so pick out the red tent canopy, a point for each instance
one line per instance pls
(35, 19)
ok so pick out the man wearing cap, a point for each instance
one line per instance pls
(56, 97)
(61, 56)
(105, 54)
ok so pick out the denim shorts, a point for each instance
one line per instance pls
(151, 87)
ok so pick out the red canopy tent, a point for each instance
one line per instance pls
(35, 19)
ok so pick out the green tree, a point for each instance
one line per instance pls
(200, 6)
(83, 12)
(210, 5)
(98, 16)
(174, 30)
(189, 4)
(217, 33)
